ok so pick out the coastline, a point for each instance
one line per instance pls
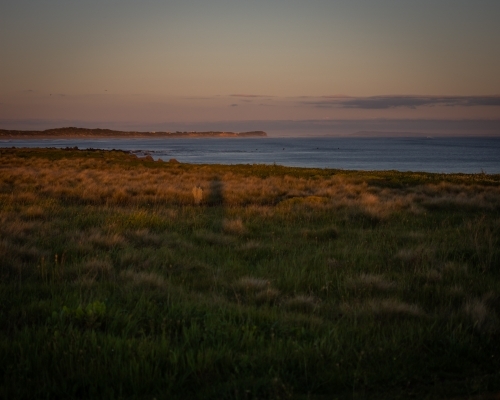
(78, 133)
(344, 153)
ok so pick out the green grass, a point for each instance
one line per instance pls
(283, 283)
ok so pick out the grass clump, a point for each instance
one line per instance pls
(118, 280)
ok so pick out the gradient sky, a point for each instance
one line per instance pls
(124, 62)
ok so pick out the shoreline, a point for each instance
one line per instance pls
(146, 156)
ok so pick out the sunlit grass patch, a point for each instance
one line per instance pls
(197, 194)
(120, 196)
(304, 203)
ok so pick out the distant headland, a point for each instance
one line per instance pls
(73, 132)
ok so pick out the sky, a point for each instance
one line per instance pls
(236, 65)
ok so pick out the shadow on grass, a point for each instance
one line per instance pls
(215, 196)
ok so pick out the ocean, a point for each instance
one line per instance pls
(440, 154)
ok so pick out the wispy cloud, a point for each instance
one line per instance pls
(386, 102)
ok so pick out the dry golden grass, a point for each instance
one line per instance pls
(94, 181)
(197, 194)
(34, 212)
(233, 226)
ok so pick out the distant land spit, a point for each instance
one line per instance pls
(73, 132)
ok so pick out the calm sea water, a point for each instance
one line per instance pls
(467, 155)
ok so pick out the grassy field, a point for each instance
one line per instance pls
(129, 278)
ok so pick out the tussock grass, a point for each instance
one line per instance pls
(34, 212)
(389, 308)
(415, 258)
(372, 282)
(197, 194)
(279, 283)
(143, 237)
(327, 233)
(302, 303)
(257, 291)
(233, 226)
(213, 238)
(106, 241)
(481, 313)
(247, 283)
(267, 296)
(144, 279)
(250, 245)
